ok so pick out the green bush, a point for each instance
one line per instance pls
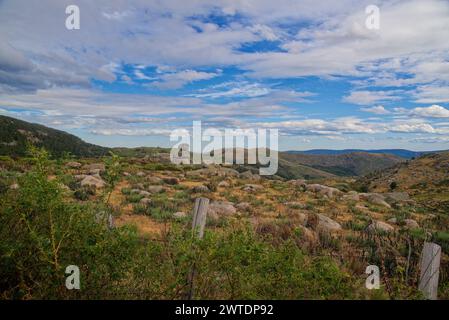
(41, 234)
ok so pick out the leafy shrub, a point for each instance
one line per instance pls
(42, 234)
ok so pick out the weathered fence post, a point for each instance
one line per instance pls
(200, 215)
(430, 266)
(198, 225)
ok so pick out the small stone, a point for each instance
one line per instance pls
(73, 164)
(243, 206)
(14, 186)
(171, 180)
(224, 184)
(380, 226)
(201, 189)
(93, 181)
(180, 215)
(155, 189)
(411, 224)
(145, 201)
(252, 187)
(144, 193)
(154, 180)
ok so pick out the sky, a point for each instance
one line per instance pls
(137, 70)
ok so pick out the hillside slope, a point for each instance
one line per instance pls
(403, 153)
(16, 134)
(425, 178)
(351, 164)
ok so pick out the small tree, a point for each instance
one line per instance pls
(112, 175)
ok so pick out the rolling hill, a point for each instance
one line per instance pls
(403, 153)
(16, 134)
(425, 178)
(347, 164)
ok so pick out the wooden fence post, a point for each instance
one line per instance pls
(200, 215)
(430, 266)
(198, 225)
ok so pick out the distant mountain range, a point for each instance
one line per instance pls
(403, 153)
(312, 164)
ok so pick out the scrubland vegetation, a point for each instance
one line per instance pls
(265, 239)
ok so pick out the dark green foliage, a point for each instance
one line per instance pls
(84, 193)
(15, 135)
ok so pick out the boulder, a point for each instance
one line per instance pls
(352, 196)
(298, 183)
(248, 175)
(180, 215)
(93, 181)
(329, 192)
(145, 193)
(94, 166)
(375, 198)
(394, 197)
(221, 208)
(210, 171)
(252, 187)
(171, 180)
(73, 164)
(95, 172)
(243, 207)
(379, 226)
(411, 224)
(224, 184)
(80, 176)
(200, 189)
(322, 223)
(327, 224)
(140, 174)
(227, 172)
(145, 201)
(154, 180)
(155, 189)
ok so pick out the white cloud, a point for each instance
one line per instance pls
(234, 89)
(376, 110)
(177, 80)
(264, 31)
(370, 97)
(432, 94)
(434, 111)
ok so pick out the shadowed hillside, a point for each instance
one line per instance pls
(16, 134)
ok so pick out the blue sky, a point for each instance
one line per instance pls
(136, 70)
